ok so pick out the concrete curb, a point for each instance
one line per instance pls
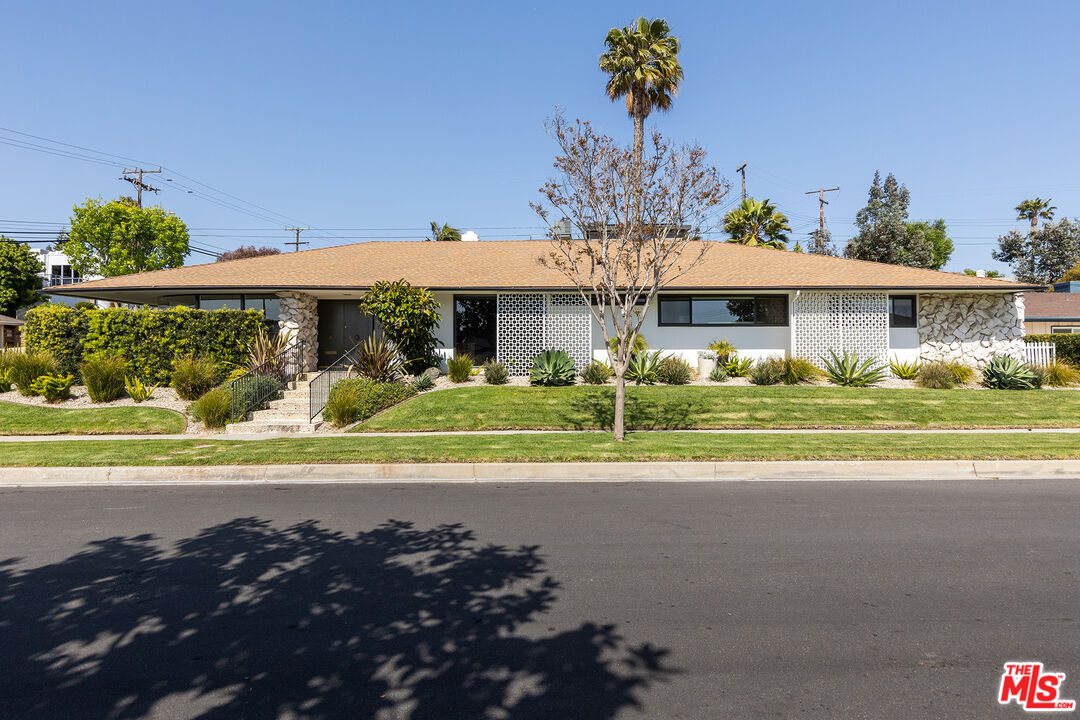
(542, 472)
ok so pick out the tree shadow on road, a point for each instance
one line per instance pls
(245, 620)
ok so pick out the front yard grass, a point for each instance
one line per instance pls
(16, 419)
(694, 406)
(570, 447)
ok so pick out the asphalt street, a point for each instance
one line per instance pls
(576, 600)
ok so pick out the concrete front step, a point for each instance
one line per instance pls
(272, 426)
(295, 406)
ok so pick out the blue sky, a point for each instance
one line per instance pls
(380, 117)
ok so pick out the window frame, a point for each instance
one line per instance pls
(660, 299)
(1064, 329)
(914, 312)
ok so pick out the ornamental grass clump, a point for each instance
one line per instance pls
(798, 370)
(5, 381)
(26, 367)
(904, 370)
(769, 371)
(53, 388)
(936, 375)
(459, 368)
(193, 377)
(1062, 374)
(1008, 373)
(849, 371)
(597, 372)
(495, 373)
(380, 360)
(718, 374)
(675, 371)
(103, 376)
(355, 399)
(552, 368)
(963, 373)
(214, 408)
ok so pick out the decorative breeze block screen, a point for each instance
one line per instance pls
(531, 322)
(852, 322)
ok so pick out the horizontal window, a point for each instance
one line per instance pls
(902, 311)
(220, 302)
(1065, 329)
(723, 310)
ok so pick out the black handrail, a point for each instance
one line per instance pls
(319, 387)
(266, 382)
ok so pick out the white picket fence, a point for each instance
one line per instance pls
(1039, 354)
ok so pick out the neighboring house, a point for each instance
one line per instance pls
(10, 332)
(1056, 312)
(498, 301)
(58, 272)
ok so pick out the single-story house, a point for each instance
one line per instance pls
(1052, 313)
(10, 332)
(498, 301)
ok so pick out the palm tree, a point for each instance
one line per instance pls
(1034, 210)
(443, 232)
(757, 223)
(643, 65)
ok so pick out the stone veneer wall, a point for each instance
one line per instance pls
(299, 313)
(971, 328)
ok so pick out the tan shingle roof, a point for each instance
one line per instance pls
(494, 264)
(1051, 306)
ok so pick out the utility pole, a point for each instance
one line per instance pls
(742, 171)
(822, 202)
(297, 242)
(138, 181)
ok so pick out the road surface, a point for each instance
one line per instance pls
(638, 600)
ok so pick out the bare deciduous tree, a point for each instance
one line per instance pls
(621, 258)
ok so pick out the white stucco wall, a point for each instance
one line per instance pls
(904, 344)
(445, 332)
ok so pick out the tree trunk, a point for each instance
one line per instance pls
(639, 152)
(620, 407)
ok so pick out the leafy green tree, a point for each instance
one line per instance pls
(989, 273)
(1072, 274)
(883, 232)
(120, 238)
(821, 243)
(1033, 211)
(937, 235)
(408, 315)
(643, 67)
(757, 223)
(442, 233)
(1042, 255)
(19, 280)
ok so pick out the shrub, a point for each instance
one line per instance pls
(597, 372)
(6, 358)
(379, 360)
(936, 375)
(495, 373)
(675, 371)
(963, 373)
(640, 344)
(847, 370)
(103, 376)
(1062, 374)
(1042, 376)
(644, 368)
(254, 391)
(26, 367)
(408, 317)
(214, 408)
(193, 377)
(150, 339)
(138, 391)
(737, 366)
(552, 368)
(354, 399)
(718, 374)
(799, 370)
(5, 381)
(422, 382)
(904, 370)
(53, 388)
(721, 349)
(1008, 373)
(1066, 345)
(767, 372)
(459, 368)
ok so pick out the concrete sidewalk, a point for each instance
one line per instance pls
(543, 472)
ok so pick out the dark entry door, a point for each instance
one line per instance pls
(475, 326)
(341, 325)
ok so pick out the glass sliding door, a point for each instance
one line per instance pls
(475, 326)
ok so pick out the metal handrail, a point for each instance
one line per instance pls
(319, 387)
(266, 382)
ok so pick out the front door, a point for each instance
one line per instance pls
(342, 324)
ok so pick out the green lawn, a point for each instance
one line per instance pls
(573, 447)
(18, 419)
(663, 407)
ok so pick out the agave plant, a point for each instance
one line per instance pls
(904, 370)
(737, 366)
(552, 368)
(379, 359)
(1008, 373)
(264, 348)
(848, 370)
(644, 368)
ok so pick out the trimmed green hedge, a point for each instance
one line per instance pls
(1068, 346)
(149, 338)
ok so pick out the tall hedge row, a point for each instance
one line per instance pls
(150, 339)
(1067, 345)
